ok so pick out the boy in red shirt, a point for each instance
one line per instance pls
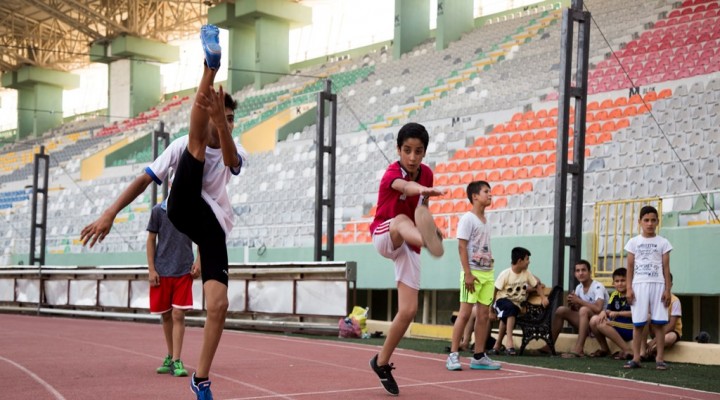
(403, 224)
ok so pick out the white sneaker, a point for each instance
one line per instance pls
(453, 362)
(484, 363)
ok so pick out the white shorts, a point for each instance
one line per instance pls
(407, 262)
(648, 301)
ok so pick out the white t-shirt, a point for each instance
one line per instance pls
(472, 229)
(215, 177)
(648, 257)
(595, 292)
(514, 286)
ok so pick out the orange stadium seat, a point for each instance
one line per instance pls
(513, 161)
(536, 172)
(463, 166)
(441, 180)
(504, 139)
(491, 141)
(452, 167)
(534, 147)
(508, 175)
(517, 117)
(521, 173)
(435, 207)
(471, 153)
(481, 176)
(501, 162)
(462, 206)
(499, 203)
(536, 124)
(440, 168)
(527, 160)
(476, 165)
(466, 178)
(623, 123)
(488, 164)
(540, 159)
(512, 189)
(521, 148)
(494, 176)
(541, 114)
(528, 136)
(508, 149)
(526, 186)
(516, 138)
(630, 111)
(447, 207)
(480, 141)
(498, 190)
(454, 179)
(459, 154)
(458, 193)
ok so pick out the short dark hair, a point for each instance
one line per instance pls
(475, 187)
(413, 130)
(648, 210)
(622, 271)
(586, 263)
(519, 253)
(229, 102)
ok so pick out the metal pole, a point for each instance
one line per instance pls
(579, 93)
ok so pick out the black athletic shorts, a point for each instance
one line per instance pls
(505, 308)
(191, 215)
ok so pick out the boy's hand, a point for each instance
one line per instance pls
(97, 230)
(470, 280)
(154, 278)
(545, 302)
(214, 104)
(432, 191)
(666, 297)
(492, 316)
(195, 270)
(630, 295)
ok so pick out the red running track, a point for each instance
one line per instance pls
(52, 358)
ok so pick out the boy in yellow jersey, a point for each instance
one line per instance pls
(615, 323)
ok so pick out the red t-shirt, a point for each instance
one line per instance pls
(391, 202)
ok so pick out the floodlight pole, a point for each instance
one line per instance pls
(321, 202)
(34, 224)
(576, 168)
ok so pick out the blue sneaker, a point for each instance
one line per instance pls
(209, 36)
(201, 390)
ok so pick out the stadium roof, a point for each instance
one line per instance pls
(57, 34)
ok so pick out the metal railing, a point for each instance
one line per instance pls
(302, 296)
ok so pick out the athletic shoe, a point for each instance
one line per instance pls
(384, 372)
(166, 366)
(453, 362)
(432, 239)
(201, 390)
(178, 368)
(211, 45)
(484, 363)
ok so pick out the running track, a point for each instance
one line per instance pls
(53, 358)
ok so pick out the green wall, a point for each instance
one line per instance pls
(454, 17)
(693, 260)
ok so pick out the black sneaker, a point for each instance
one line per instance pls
(384, 372)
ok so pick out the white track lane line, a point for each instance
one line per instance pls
(38, 379)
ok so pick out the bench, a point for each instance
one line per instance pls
(536, 321)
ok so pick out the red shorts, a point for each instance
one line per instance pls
(173, 292)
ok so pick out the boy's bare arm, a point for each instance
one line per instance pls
(630, 294)
(153, 276)
(666, 297)
(98, 229)
(410, 188)
(468, 276)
